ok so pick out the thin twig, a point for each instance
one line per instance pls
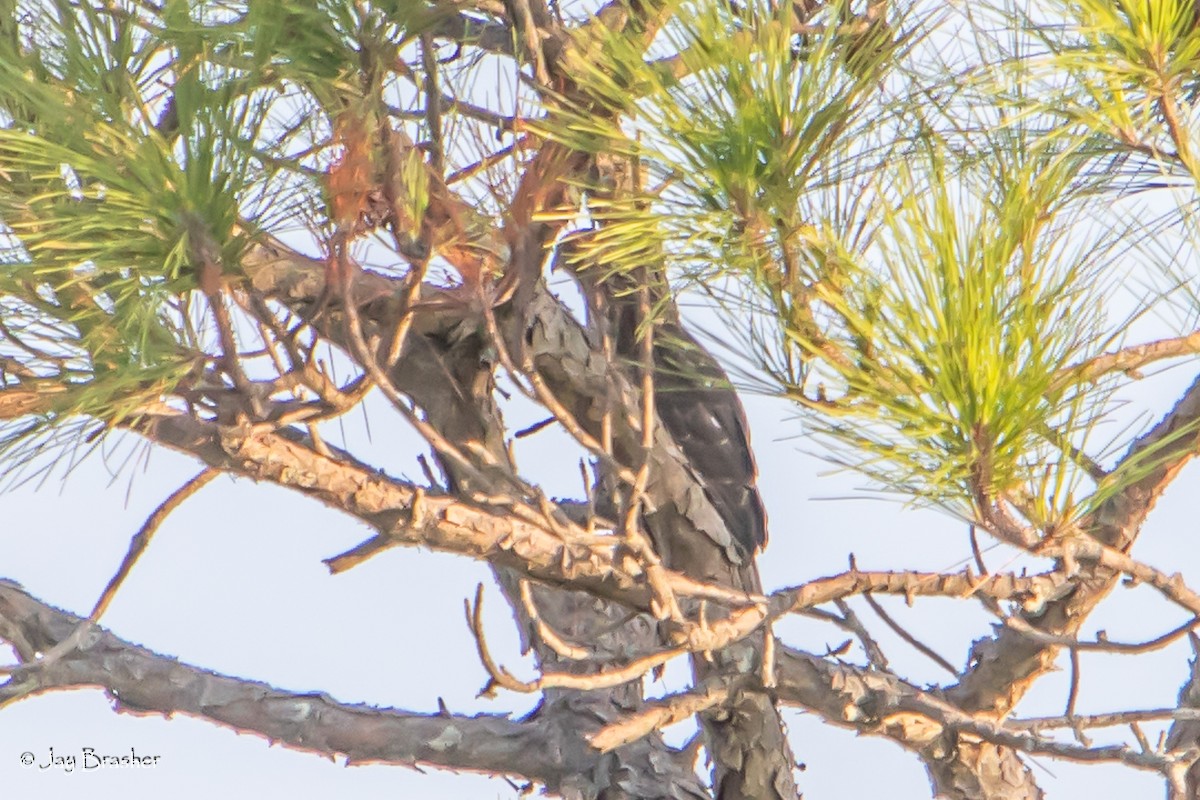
(433, 104)
(229, 353)
(547, 634)
(535, 427)
(137, 546)
(769, 678)
(1073, 697)
(639, 544)
(852, 623)
(975, 551)
(1107, 720)
(1180, 134)
(430, 478)
(141, 539)
(657, 714)
(1142, 741)
(538, 391)
(359, 553)
(1101, 644)
(500, 677)
(908, 637)
(1077, 549)
(530, 31)
(435, 438)
(488, 161)
(416, 279)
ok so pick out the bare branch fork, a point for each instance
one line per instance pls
(137, 546)
(143, 682)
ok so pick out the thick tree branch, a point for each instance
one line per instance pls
(449, 524)
(1128, 360)
(141, 681)
(1186, 732)
(1005, 666)
(880, 703)
(407, 515)
(490, 35)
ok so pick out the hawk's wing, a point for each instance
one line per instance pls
(698, 406)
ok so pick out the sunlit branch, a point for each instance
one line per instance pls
(1129, 360)
(141, 682)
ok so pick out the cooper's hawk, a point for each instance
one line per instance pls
(699, 408)
(695, 401)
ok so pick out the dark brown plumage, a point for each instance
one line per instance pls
(698, 406)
